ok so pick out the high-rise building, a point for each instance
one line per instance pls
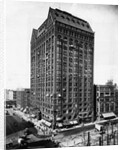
(62, 57)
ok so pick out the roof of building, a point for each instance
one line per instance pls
(105, 86)
(63, 17)
(69, 19)
(34, 34)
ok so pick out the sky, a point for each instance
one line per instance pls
(23, 16)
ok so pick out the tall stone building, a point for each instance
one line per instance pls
(62, 56)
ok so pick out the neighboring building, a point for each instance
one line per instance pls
(9, 97)
(20, 98)
(23, 98)
(106, 102)
(116, 100)
(27, 97)
(14, 95)
(62, 56)
(95, 103)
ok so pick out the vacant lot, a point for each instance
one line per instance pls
(15, 124)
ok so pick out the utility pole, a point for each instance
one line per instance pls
(114, 138)
(83, 131)
(84, 137)
(107, 127)
(102, 138)
(112, 127)
(88, 142)
(108, 139)
(101, 133)
(99, 141)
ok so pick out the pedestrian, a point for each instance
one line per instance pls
(20, 141)
(52, 136)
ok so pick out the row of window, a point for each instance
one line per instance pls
(107, 107)
(75, 34)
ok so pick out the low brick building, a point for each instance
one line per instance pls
(23, 98)
(106, 98)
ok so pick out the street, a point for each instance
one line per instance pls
(81, 135)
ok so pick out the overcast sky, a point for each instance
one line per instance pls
(22, 17)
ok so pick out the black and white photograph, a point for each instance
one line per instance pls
(61, 75)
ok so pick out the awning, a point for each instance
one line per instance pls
(24, 110)
(40, 121)
(108, 115)
(46, 123)
(73, 122)
(59, 125)
(58, 119)
(50, 118)
(33, 116)
(82, 113)
(21, 109)
(66, 123)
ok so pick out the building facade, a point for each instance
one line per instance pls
(10, 98)
(116, 99)
(8, 95)
(20, 98)
(27, 97)
(62, 56)
(23, 98)
(14, 95)
(106, 100)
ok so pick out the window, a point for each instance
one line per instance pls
(70, 59)
(83, 24)
(70, 70)
(57, 14)
(87, 26)
(69, 117)
(64, 111)
(62, 16)
(107, 107)
(68, 18)
(59, 37)
(64, 118)
(65, 47)
(78, 22)
(101, 107)
(73, 20)
(112, 94)
(112, 107)
(101, 94)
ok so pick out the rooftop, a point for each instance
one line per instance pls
(69, 19)
(63, 17)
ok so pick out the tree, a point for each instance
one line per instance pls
(109, 82)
